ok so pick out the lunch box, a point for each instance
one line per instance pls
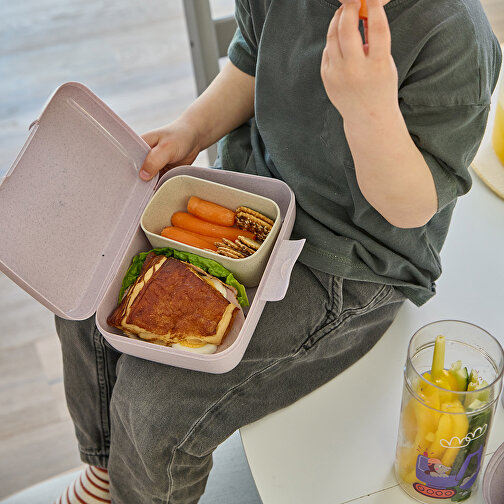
(71, 206)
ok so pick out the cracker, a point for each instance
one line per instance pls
(244, 249)
(231, 244)
(248, 242)
(255, 214)
(229, 252)
(253, 224)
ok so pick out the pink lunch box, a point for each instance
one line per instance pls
(71, 205)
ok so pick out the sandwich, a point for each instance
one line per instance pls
(176, 299)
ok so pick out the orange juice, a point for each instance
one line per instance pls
(498, 130)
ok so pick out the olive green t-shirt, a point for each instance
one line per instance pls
(448, 61)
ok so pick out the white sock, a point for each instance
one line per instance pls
(90, 487)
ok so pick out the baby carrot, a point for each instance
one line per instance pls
(209, 239)
(192, 223)
(363, 10)
(182, 236)
(211, 212)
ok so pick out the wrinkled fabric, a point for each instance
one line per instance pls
(448, 60)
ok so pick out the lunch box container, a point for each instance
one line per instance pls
(173, 195)
(71, 206)
(493, 480)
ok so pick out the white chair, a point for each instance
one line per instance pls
(209, 38)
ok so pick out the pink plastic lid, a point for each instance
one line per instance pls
(493, 481)
(71, 202)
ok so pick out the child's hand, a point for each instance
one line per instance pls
(173, 145)
(360, 78)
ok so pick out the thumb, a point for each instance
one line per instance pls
(156, 160)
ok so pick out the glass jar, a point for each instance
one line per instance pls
(444, 427)
(498, 128)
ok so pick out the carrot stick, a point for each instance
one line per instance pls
(192, 223)
(210, 212)
(209, 239)
(182, 236)
(363, 10)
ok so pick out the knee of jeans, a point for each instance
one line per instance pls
(68, 330)
(154, 407)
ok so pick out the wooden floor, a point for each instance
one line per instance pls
(135, 56)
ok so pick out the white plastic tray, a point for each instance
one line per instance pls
(173, 195)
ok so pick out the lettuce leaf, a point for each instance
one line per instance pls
(242, 295)
(210, 266)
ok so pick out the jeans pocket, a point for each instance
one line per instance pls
(352, 299)
(334, 287)
(360, 297)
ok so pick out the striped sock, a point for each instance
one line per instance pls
(90, 487)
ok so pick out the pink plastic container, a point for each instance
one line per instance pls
(71, 205)
(493, 481)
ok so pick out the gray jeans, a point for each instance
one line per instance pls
(155, 426)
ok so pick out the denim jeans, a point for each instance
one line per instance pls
(154, 426)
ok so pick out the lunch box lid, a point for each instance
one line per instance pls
(71, 202)
(493, 480)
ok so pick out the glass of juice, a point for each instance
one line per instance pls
(498, 128)
(452, 383)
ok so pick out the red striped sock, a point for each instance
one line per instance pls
(90, 487)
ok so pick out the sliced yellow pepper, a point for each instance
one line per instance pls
(444, 430)
(438, 375)
(460, 427)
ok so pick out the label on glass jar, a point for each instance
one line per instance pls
(451, 472)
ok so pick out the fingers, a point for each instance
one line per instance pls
(151, 138)
(350, 39)
(378, 31)
(156, 160)
(343, 36)
(332, 48)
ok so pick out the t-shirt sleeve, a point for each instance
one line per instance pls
(445, 100)
(243, 48)
(448, 138)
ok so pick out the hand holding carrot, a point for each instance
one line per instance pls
(360, 78)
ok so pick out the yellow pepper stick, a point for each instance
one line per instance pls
(460, 427)
(444, 431)
(427, 418)
(409, 422)
(453, 425)
(438, 357)
(420, 430)
(439, 375)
